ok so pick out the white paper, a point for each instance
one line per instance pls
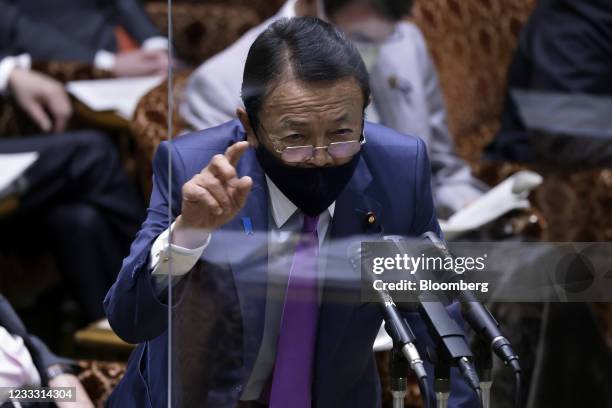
(508, 195)
(120, 95)
(12, 166)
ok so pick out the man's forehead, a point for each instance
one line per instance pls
(290, 121)
(334, 97)
(293, 85)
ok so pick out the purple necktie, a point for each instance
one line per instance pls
(292, 376)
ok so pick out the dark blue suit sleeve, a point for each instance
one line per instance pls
(133, 309)
(133, 18)
(20, 34)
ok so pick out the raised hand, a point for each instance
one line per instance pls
(212, 197)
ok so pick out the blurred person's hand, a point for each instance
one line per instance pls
(212, 197)
(70, 380)
(41, 96)
(141, 63)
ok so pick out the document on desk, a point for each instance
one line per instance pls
(12, 167)
(120, 95)
(508, 195)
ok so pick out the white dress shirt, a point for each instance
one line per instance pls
(17, 368)
(285, 225)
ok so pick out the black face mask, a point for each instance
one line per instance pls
(311, 189)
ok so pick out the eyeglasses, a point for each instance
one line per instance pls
(337, 150)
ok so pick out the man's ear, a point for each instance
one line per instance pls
(243, 117)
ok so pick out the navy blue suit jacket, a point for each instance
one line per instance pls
(215, 350)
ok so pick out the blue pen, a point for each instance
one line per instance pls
(248, 225)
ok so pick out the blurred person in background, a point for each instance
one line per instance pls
(406, 95)
(25, 361)
(76, 199)
(559, 95)
(114, 35)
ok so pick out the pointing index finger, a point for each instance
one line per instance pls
(235, 151)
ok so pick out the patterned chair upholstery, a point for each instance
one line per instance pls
(205, 28)
(99, 378)
(472, 43)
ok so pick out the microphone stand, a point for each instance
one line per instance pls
(398, 367)
(483, 360)
(442, 382)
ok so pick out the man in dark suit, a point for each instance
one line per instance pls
(26, 361)
(261, 319)
(559, 87)
(77, 200)
(84, 31)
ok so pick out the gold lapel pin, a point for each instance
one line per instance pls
(370, 217)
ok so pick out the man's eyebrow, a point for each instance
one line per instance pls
(292, 123)
(342, 118)
(288, 123)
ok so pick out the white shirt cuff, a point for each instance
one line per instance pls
(104, 60)
(183, 259)
(157, 43)
(8, 64)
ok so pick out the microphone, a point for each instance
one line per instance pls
(396, 326)
(450, 340)
(447, 335)
(399, 330)
(480, 318)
